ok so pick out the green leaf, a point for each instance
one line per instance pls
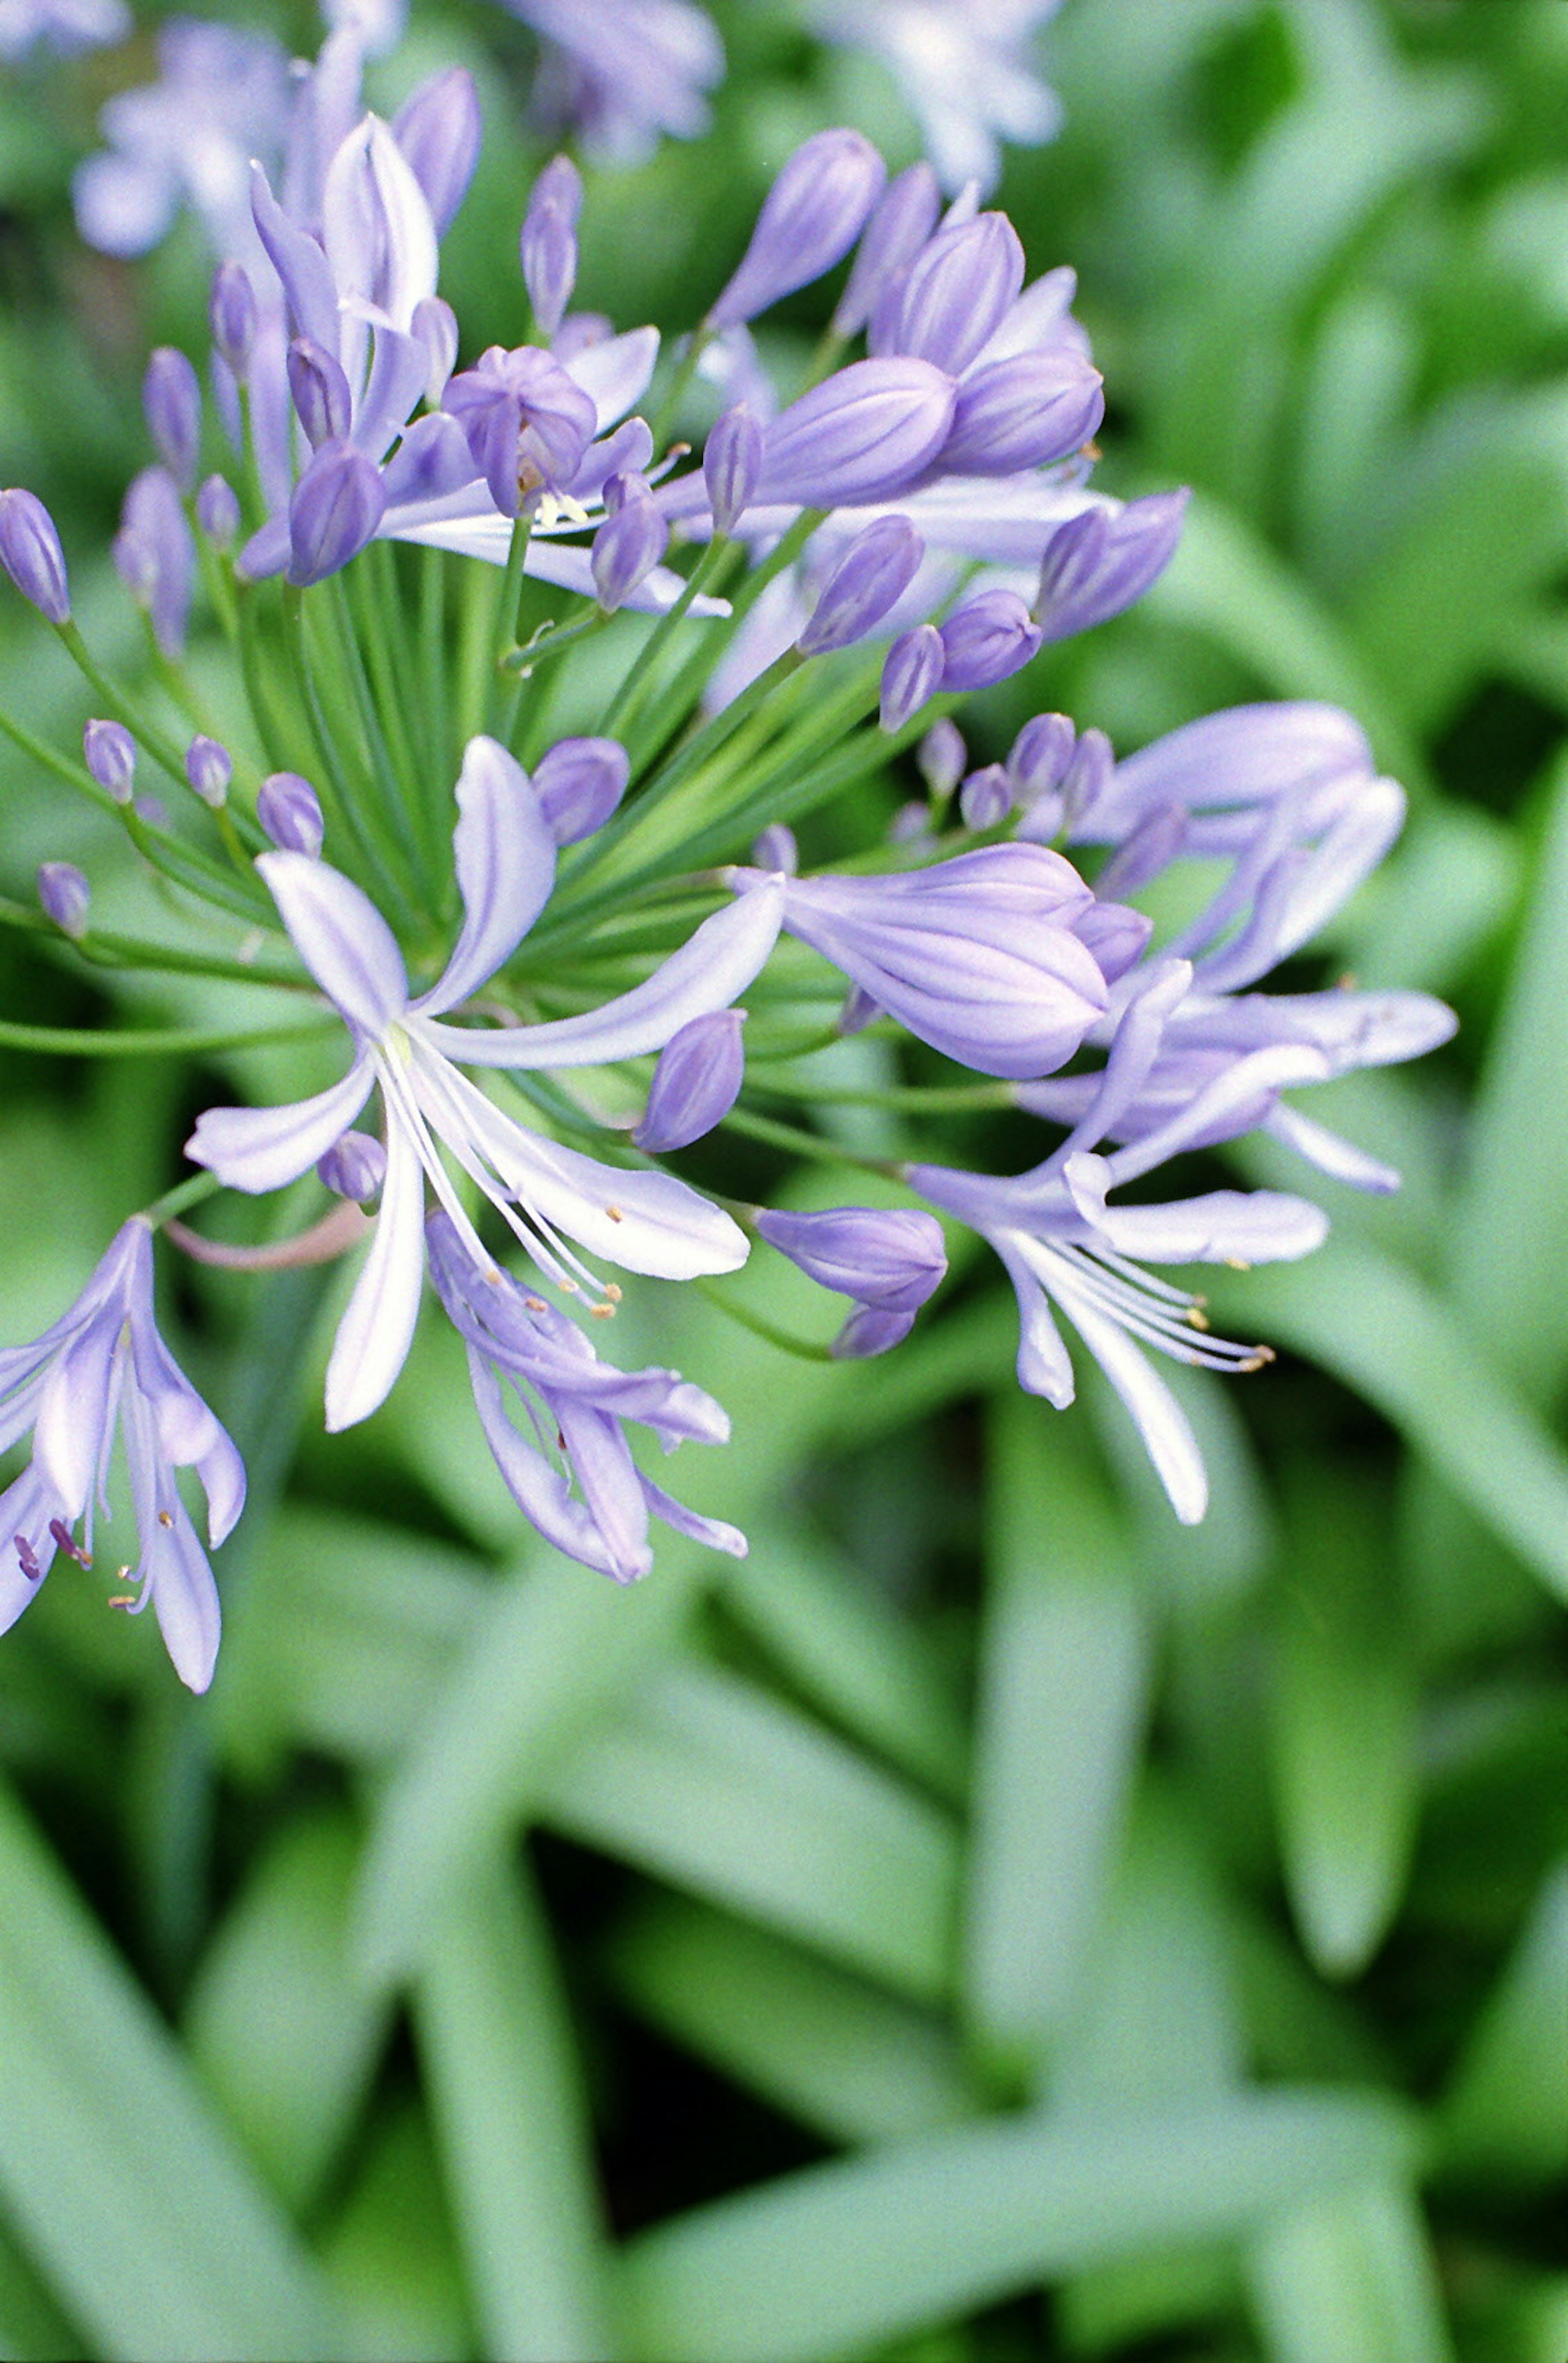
(283, 2033)
(708, 1782)
(833, 2259)
(501, 2067)
(1349, 2273)
(391, 2256)
(1065, 1674)
(1343, 1725)
(112, 2163)
(850, 2063)
(1504, 2117)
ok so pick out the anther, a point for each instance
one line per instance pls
(1197, 1318)
(26, 1559)
(614, 1291)
(536, 1304)
(165, 1517)
(66, 1541)
(601, 1312)
(1238, 1263)
(122, 1599)
(615, 1214)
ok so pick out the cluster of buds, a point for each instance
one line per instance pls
(537, 976)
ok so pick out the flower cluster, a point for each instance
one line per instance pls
(540, 994)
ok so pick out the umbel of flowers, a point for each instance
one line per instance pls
(404, 536)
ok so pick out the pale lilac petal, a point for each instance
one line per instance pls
(75, 1410)
(376, 229)
(1265, 1070)
(341, 937)
(718, 961)
(541, 1493)
(1223, 1226)
(504, 856)
(613, 373)
(263, 1149)
(375, 1333)
(1044, 1366)
(1157, 1415)
(184, 1596)
(1339, 1158)
(714, 1532)
(308, 285)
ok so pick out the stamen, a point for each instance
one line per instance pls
(615, 1214)
(165, 1518)
(601, 1312)
(66, 1541)
(614, 1291)
(26, 1559)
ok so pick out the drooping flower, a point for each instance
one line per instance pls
(647, 1222)
(521, 1347)
(103, 1366)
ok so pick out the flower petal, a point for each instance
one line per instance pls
(1157, 1415)
(375, 1333)
(1222, 1226)
(504, 856)
(263, 1149)
(341, 937)
(713, 965)
(613, 373)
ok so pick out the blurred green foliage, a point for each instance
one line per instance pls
(990, 1923)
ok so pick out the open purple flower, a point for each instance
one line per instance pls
(103, 1366)
(647, 1222)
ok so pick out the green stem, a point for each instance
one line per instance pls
(188, 1192)
(166, 755)
(637, 681)
(151, 1041)
(696, 345)
(800, 1143)
(762, 1328)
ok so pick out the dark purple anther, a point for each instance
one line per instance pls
(63, 895)
(320, 392)
(66, 1541)
(912, 673)
(579, 783)
(209, 768)
(732, 463)
(810, 218)
(548, 247)
(217, 512)
(865, 587)
(903, 219)
(231, 314)
(26, 1559)
(171, 404)
(338, 503)
(290, 811)
(31, 554)
(695, 1083)
(991, 637)
(439, 130)
(110, 753)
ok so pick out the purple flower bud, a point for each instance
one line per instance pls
(891, 1258)
(986, 797)
(290, 811)
(320, 392)
(31, 554)
(439, 130)
(64, 894)
(231, 314)
(621, 485)
(209, 768)
(959, 290)
(810, 217)
(1098, 564)
(1024, 412)
(435, 325)
(993, 636)
(776, 850)
(867, 583)
(861, 435)
(941, 757)
(217, 512)
(155, 555)
(337, 507)
(910, 824)
(1041, 754)
(171, 402)
(549, 243)
(912, 673)
(732, 463)
(870, 1329)
(579, 783)
(110, 752)
(1088, 776)
(695, 1083)
(528, 423)
(354, 1167)
(903, 219)
(628, 546)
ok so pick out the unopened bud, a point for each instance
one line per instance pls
(548, 247)
(865, 587)
(696, 1082)
(231, 314)
(731, 462)
(626, 548)
(64, 895)
(579, 783)
(911, 675)
(354, 1167)
(289, 809)
(986, 797)
(217, 512)
(320, 392)
(775, 849)
(988, 639)
(338, 503)
(810, 218)
(941, 757)
(31, 555)
(110, 753)
(209, 768)
(171, 404)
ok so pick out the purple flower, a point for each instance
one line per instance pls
(987, 797)
(528, 423)
(575, 1481)
(110, 753)
(625, 71)
(217, 512)
(439, 131)
(861, 435)
(628, 546)
(911, 673)
(579, 783)
(966, 73)
(732, 463)
(902, 220)
(354, 1167)
(695, 1083)
(337, 507)
(977, 956)
(231, 314)
(987, 639)
(320, 392)
(63, 895)
(810, 218)
(548, 247)
(865, 587)
(506, 867)
(172, 402)
(954, 296)
(102, 1365)
(1023, 411)
(31, 554)
(889, 1260)
(66, 25)
(1099, 563)
(942, 757)
(290, 811)
(155, 555)
(209, 768)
